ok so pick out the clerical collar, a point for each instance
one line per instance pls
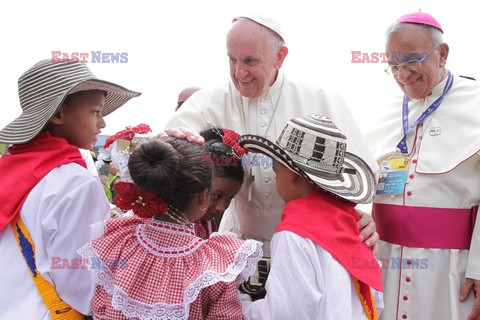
(275, 87)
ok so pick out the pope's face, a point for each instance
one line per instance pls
(413, 40)
(254, 59)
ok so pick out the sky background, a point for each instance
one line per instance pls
(176, 44)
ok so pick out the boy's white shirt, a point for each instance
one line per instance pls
(58, 213)
(87, 156)
(306, 282)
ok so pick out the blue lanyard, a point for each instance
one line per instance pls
(402, 145)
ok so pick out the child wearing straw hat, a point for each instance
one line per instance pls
(48, 199)
(320, 269)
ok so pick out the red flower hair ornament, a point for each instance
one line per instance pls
(230, 139)
(127, 134)
(144, 203)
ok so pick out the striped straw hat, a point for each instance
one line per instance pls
(315, 148)
(44, 87)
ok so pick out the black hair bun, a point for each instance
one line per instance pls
(212, 134)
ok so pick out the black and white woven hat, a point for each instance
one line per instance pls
(44, 87)
(314, 147)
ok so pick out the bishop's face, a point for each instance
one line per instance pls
(413, 40)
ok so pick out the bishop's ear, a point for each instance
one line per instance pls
(443, 50)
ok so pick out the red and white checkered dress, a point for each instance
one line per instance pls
(204, 229)
(148, 269)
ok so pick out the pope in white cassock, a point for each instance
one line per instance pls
(260, 99)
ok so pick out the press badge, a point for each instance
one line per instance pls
(393, 175)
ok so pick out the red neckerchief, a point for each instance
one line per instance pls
(330, 222)
(25, 165)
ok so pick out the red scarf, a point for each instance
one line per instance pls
(25, 165)
(331, 222)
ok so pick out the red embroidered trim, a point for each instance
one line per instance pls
(172, 228)
(172, 251)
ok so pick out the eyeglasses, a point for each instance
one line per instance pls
(411, 65)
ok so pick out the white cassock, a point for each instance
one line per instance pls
(424, 283)
(256, 210)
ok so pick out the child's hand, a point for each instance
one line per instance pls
(182, 133)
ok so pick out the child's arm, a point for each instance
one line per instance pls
(294, 287)
(68, 213)
(224, 301)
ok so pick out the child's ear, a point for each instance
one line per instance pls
(293, 177)
(204, 199)
(58, 116)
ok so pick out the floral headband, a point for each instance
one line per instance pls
(131, 196)
(118, 155)
(127, 134)
(230, 139)
(144, 203)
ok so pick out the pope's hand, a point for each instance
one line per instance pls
(182, 133)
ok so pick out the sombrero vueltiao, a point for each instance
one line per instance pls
(314, 147)
(43, 88)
